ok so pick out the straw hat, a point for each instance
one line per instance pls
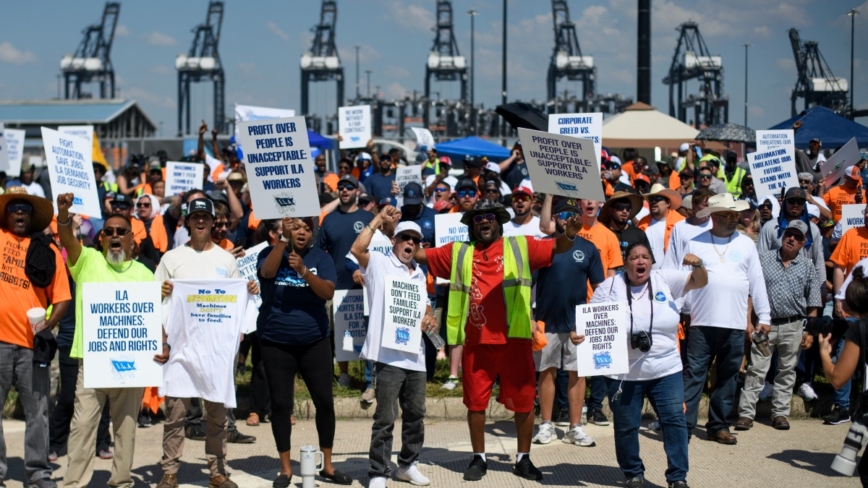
(673, 196)
(635, 202)
(43, 210)
(723, 203)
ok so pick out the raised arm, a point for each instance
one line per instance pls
(272, 261)
(546, 224)
(64, 228)
(200, 147)
(359, 250)
(698, 276)
(564, 242)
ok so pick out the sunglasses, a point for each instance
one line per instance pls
(408, 237)
(622, 207)
(520, 198)
(115, 231)
(120, 206)
(440, 190)
(143, 205)
(492, 190)
(765, 206)
(795, 201)
(566, 215)
(794, 235)
(346, 187)
(218, 225)
(656, 199)
(478, 219)
(467, 193)
(19, 207)
(806, 182)
(705, 177)
(685, 176)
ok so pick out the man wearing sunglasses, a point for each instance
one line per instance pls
(87, 265)
(468, 195)
(708, 180)
(612, 175)
(848, 192)
(685, 178)
(525, 223)
(382, 183)
(663, 205)
(489, 312)
(617, 215)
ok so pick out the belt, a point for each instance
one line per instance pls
(786, 320)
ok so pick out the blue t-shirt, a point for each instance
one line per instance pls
(291, 313)
(425, 221)
(337, 234)
(379, 186)
(564, 285)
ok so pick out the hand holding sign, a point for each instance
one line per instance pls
(296, 263)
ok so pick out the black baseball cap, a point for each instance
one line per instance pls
(412, 194)
(349, 179)
(795, 192)
(567, 204)
(201, 205)
(464, 183)
(121, 200)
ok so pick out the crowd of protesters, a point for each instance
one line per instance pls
(713, 277)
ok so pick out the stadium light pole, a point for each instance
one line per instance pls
(852, 13)
(746, 45)
(357, 71)
(472, 14)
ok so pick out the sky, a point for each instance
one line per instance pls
(262, 41)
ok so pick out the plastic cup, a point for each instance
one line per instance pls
(36, 316)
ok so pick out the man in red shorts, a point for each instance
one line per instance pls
(489, 312)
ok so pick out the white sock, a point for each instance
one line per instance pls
(545, 422)
(520, 455)
(480, 454)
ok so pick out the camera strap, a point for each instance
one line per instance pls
(630, 304)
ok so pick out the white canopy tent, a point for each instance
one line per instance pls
(642, 126)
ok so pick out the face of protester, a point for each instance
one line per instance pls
(765, 210)
(613, 173)
(143, 209)
(320, 162)
(747, 185)
(18, 216)
(849, 183)
(659, 206)
(485, 228)
(745, 217)
(589, 208)
(705, 177)
(792, 242)
(432, 155)
(117, 241)
(201, 226)
(220, 230)
(795, 207)
(620, 211)
(442, 192)
(699, 204)
(344, 169)
(638, 265)
(154, 176)
(385, 166)
(641, 186)
(813, 148)
(467, 198)
(301, 233)
(561, 219)
(27, 177)
(726, 221)
(807, 185)
(411, 211)
(686, 179)
(404, 246)
(347, 193)
(122, 209)
(98, 172)
(492, 194)
(159, 189)
(471, 171)
(521, 204)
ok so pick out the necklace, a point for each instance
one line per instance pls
(644, 289)
(721, 254)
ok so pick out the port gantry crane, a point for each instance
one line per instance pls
(91, 61)
(202, 63)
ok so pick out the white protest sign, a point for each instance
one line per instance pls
(562, 165)
(183, 177)
(122, 332)
(71, 170)
(279, 168)
(247, 266)
(349, 317)
(405, 175)
(379, 243)
(852, 216)
(424, 138)
(604, 350)
(245, 113)
(448, 228)
(770, 139)
(14, 150)
(354, 126)
(772, 170)
(586, 126)
(404, 305)
(834, 167)
(4, 152)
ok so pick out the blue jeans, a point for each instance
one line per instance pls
(562, 384)
(666, 395)
(705, 344)
(598, 392)
(842, 396)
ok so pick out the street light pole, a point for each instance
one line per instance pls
(368, 73)
(746, 45)
(472, 14)
(357, 71)
(852, 13)
(503, 74)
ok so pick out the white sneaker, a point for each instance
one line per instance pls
(450, 384)
(545, 433)
(378, 482)
(767, 392)
(805, 391)
(577, 436)
(412, 475)
(344, 380)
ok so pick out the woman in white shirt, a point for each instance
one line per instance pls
(655, 363)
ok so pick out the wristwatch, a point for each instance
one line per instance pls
(283, 239)
(698, 265)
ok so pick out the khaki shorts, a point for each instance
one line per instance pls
(559, 353)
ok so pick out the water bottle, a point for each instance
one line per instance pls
(348, 341)
(436, 340)
(311, 462)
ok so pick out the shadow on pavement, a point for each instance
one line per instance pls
(816, 462)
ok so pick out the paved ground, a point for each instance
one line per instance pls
(763, 457)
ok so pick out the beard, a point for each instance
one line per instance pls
(116, 259)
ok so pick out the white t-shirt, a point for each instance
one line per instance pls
(34, 189)
(185, 263)
(681, 234)
(842, 292)
(642, 212)
(380, 266)
(531, 228)
(667, 286)
(656, 232)
(734, 272)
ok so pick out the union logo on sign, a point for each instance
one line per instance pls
(602, 360)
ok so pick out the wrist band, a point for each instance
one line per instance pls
(68, 221)
(167, 345)
(373, 230)
(306, 269)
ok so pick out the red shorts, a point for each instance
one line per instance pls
(512, 362)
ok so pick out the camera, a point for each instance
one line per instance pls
(641, 341)
(857, 437)
(761, 341)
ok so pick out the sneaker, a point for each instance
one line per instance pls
(377, 482)
(412, 475)
(807, 392)
(450, 384)
(144, 420)
(563, 419)
(577, 436)
(525, 469)
(52, 456)
(105, 454)
(344, 380)
(635, 482)
(195, 432)
(597, 417)
(678, 484)
(476, 470)
(767, 392)
(168, 481)
(236, 437)
(545, 433)
(367, 397)
(283, 481)
(837, 416)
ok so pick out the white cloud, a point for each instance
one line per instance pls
(12, 55)
(122, 30)
(395, 90)
(161, 39)
(411, 16)
(277, 30)
(787, 64)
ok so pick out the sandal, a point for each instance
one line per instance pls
(337, 477)
(253, 419)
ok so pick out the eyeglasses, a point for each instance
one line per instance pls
(565, 215)
(19, 207)
(218, 225)
(346, 187)
(440, 190)
(408, 237)
(656, 199)
(115, 231)
(467, 193)
(795, 201)
(705, 177)
(732, 217)
(797, 236)
(621, 207)
(143, 205)
(765, 206)
(520, 198)
(478, 219)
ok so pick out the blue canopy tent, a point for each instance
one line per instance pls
(472, 146)
(319, 141)
(832, 129)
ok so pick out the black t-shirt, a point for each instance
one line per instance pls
(555, 302)
(857, 334)
(336, 236)
(425, 221)
(515, 174)
(629, 236)
(379, 186)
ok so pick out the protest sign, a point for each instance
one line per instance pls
(770, 139)
(772, 170)
(83, 131)
(404, 305)
(122, 327)
(247, 266)
(14, 148)
(604, 350)
(852, 216)
(245, 113)
(354, 126)
(448, 228)
(562, 165)
(834, 167)
(4, 152)
(405, 175)
(279, 168)
(349, 318)
(424, 138)
(586, 126)
(70, 170)
(183, 177)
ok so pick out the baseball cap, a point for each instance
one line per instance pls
(445, 160)
(683, 147)
(642, 177)
(494, 167)
(201, 205)
(470, 161)
(604, 155)
(795, 192)
(853, 173)
(365, 198)
(524, 190)
(491, 185)
(408, 226)
(567, 204)
(412, 194)
(349, 179)
(797, 225)
(387, 201)
(122, 200)
(466, 183)
(614, 159)
(817, 140)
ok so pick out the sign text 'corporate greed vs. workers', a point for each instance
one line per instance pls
(562, 165)
(279, 168)
(772, 170)
(586, 126)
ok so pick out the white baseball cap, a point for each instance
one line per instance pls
(683, 147)
(407, 226)
(491, 166)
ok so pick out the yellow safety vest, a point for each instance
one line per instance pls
(516, 289)
(734, 186)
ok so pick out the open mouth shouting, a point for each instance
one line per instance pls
(406, 246)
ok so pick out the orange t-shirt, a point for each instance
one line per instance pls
(607, 243)
(838, 196)
(226, 244)
(852, 248)
(628, 168)
(18, 295)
